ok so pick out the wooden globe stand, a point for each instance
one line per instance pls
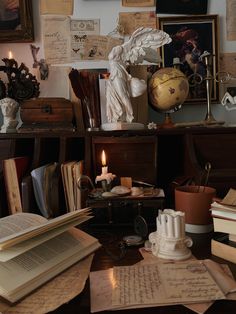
(168, 123)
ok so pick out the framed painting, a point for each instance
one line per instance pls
(193, 36)
(181, 6)
(16, 21)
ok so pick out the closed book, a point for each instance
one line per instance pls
(223, 248)
(223, 211)
(13, 171)
(224, 225)
(38, 186)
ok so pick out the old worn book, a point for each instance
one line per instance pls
(37, 175)
(33, 250)
(13, 170)
(71, 171)
(224, 225)
(223, 211)
(222, 247)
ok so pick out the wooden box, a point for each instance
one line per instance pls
(45, 114)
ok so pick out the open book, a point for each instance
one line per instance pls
(33, 250)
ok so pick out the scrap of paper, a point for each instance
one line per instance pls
(79, 30)
(228, 63)
(56, 39)
(61, 7)
(130, 21)
(138, 3)
(98, 47)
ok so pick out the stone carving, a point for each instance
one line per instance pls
(169, 241)
(9, 109)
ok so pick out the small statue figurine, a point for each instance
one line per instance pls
(121, 85)
(228, 99)
(9, 109)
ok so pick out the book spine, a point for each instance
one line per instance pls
(12, 186)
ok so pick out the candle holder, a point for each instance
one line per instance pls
(21, 84)
(169, 241)
(106, 186)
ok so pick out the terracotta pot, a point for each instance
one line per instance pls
(195, 202)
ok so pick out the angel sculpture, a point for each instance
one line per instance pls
(121, 85)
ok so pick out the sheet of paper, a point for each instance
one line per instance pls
(98, 47)
(53, 294)
(228, 63)
(56, 39)
(130, 21)
(138, 3)
(231, 19)
(102, 283)
(79, 30)
(172, 283)
(64, 7)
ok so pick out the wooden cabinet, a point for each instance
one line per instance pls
(153, 156)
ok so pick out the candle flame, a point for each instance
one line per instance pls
(10, 56)
(104, 161)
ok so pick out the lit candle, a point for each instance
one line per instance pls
(105, 176)
(10, 55)
(104, 167)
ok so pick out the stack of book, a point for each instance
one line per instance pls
(224, 221)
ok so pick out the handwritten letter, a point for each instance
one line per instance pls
(166, 283)
(56, 38)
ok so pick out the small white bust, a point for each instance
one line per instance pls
(9, 109)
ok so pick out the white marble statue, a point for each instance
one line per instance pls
(170, 241)
(229, 100)
(9, 109)
(121, 85)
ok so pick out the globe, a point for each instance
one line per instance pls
(168, 88)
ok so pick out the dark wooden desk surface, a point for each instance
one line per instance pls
(103, 259)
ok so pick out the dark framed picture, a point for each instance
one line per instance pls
(192, 37)
(181, 6)
(16, 21)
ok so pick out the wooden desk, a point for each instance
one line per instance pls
(110, 238)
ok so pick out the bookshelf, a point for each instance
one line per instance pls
(168, 154)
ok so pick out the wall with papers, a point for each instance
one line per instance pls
(107, 13)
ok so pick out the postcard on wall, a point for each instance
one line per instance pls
(138, 3)
(181, 6)
(231, 19)
(79, 30)
(61, 7)
(228, 63)
(98, 47)
(56, 39)
(130, 21)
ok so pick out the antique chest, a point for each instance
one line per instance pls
(45, 114)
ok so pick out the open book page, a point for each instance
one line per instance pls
(54, 293)
(19, 222)
(26, 245)
(27, 271)
(37, 228)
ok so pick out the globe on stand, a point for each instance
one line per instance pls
(168, 88)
